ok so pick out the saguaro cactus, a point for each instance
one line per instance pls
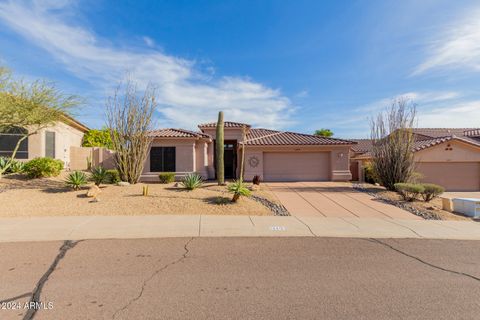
(219, 141)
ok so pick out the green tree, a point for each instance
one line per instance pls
(324, 132)
(30, 105)
(219, 141)
(97, 138)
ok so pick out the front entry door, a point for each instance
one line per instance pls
(229, 159)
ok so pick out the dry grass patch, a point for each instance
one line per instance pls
(50, 197)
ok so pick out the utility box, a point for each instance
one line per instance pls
(467, 206)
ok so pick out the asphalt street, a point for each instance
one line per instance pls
(241, 278)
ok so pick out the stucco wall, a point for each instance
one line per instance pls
(229, 133)
(452, 151)
(65, 137)
(339, 159)
(184, 154)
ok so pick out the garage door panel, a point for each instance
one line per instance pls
(299, 166)
(454, 176)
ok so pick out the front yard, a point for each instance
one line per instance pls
(20, 197)
(432, 209)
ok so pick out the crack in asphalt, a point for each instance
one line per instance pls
(35, 295)
(422, 261)
(27, 294)
(145, 282)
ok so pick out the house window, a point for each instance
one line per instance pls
(8, 141)
(162, 159)
(50, 144)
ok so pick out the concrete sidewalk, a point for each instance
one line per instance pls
(159, 226)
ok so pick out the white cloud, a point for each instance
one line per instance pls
(434, 109)
(148, 41)
(302, 94)
(186, 94)
(460, 115)
(457, 47)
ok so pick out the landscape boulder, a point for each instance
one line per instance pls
(93, 192)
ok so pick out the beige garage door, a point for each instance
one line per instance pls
(454, 176)
(300, 166)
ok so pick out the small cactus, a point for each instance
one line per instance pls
(145, 191)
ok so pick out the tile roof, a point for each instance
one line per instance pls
(363, 145)
(227, 124)
(472, 133)
(263, 137)
(177, 133)
(441, 132)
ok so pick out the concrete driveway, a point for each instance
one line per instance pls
(333, 199)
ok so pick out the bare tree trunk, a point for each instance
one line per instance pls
(129, 118)
(393, 142)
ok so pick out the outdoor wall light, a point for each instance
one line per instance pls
(340, 155)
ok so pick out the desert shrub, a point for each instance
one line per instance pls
(238, 189)
(76, 179)
(369, 173)
(256, 180)
(192, 181)
(166, 177)
(15, 166)
(430, 191)
(409, 191)
(43, 167)
(99, 175)
(113, 176)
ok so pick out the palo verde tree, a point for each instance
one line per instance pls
(323, 133)
(97, 138)
(393, 142)
(219, 150)
(129, 115)
(28, 107)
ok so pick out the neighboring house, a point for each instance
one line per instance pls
(54, 141)
(449, 157)
(272, 155)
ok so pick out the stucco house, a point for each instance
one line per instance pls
(449, 157)
(273, 155)
(54, 141)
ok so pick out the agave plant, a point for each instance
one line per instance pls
(238, 189)
(99, 175)
(76, 179)
(192, 181)
(16, 167)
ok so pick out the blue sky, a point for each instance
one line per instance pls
(291, 65)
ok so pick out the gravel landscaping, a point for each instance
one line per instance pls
(49, 197)
(429, 211)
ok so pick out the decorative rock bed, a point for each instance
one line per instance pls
(400, 204)
(277, 209)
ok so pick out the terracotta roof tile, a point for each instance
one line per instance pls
(227, 124)
(262, 137)
(363, 145)
(177, 133)
(441, 132)
(472, 133)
